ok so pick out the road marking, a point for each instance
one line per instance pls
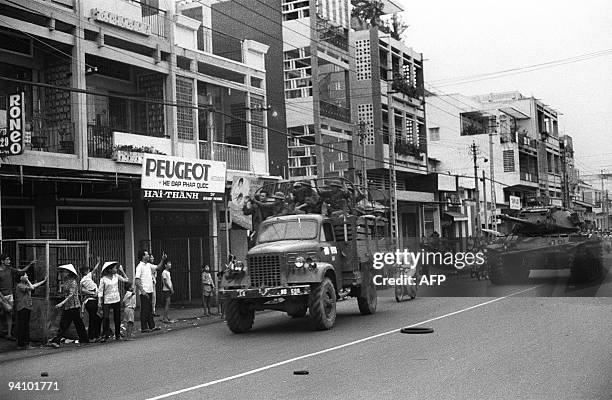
(316, 353)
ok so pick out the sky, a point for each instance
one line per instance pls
(464, 38)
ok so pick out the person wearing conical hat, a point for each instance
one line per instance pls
(109, 297)
(71, 306)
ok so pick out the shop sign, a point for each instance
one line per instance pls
(120, 21)
(515, 203)
(11, 138)
(176, 178)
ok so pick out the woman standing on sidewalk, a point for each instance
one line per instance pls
(23, 307)
(109, 297)
(71, 306)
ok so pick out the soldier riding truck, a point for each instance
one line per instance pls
(313, 238)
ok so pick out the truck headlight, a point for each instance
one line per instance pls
(310, 263)
(299, 262)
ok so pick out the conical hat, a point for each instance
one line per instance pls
(69, 267)
(109, 264)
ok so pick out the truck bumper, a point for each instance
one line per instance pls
(280, 291)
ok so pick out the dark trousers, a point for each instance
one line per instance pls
(116, 307)
(146, 313)
(22, 327)
(68, 317)
(95, 322)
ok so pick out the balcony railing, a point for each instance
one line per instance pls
(526, 141)
(99, 141)
(236, 157)
(154, 17)
(333, 111)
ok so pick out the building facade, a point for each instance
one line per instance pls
(105, 85)
(519, 152)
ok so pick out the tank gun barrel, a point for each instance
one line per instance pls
(506, 217)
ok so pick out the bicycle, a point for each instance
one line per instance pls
(405, 289)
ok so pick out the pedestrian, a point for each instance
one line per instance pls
(154, 268)
(109, 297)
(129, 302)
(167, 291)
(71, 306)
(23, 308)
(6, 291)
(144, 284)
(89, 290)
(208, 288)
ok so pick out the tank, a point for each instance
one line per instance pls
(545, 237)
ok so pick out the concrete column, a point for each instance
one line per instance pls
(79, 100)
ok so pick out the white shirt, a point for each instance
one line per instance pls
(143, 272)
(109, 289)
(167, 281)
(88, 284)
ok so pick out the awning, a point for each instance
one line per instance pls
(514, 113)
(392, 6)
(455, 216)
(583, 204)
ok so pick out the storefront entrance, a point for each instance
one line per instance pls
(183, 236)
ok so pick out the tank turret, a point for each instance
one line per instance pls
(544, 220)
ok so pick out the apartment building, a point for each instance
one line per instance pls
(108, 85)
(519, 150)
(388, 104)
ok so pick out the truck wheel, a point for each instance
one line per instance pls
(239, 316)
(322, 304)
(367, 304)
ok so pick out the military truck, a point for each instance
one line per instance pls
(300, 262)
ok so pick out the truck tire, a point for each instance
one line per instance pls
(239, 317)
(322, 305)
(367, 304)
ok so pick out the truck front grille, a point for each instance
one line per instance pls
(264, 270)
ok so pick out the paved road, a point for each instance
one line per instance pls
(521, 347)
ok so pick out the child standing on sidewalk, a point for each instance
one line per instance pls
(129, 302)
(208, 287)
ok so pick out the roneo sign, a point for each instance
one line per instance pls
(11, 138)
(175, 178)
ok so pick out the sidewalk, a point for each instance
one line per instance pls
(185, 317)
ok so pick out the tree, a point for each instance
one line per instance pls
(368, 11)
(396, 26)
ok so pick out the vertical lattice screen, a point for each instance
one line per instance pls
(257, 130)
(363, 60)
(151, 115)
(184, 115)
(409, 129)
(365, 113)
(508, 160)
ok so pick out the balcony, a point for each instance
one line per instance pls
(154, 17)
(401, 85)
(525, 142)
(333, 111)
(235, 156)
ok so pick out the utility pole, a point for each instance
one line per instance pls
(396, 242)
(565, 184)
(474, 152)
(484, 194)
(363, 136)
(492, 174)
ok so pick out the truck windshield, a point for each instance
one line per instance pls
(288, 230)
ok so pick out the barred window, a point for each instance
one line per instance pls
(257, 131)
(508, 160)
(184, 115)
